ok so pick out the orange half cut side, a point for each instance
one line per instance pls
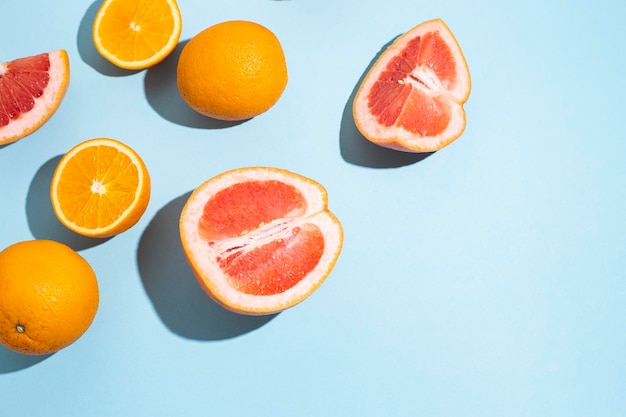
(137, 34)
(31, 91)
(100, 188)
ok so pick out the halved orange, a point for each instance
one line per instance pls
(31, 91)
(137, 34)
(260, 240)
(100, 188)
(412, 97)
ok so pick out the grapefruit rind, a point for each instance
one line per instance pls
(133, 212)
(45, 105)
(396, 137)
(212, 278)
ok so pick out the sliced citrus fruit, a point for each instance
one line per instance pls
(412, 97)
(260, 240)
(31, 90)
(100, 188)
(137, 34)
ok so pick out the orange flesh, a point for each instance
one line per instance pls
(277, 255)
(21, 82)
(154, 23)
(394, 100)
(79, 187)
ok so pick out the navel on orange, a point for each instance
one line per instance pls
(233, 70)
(259, 239)
(137, 34)
(412, 97)
(100, 188)
(48, 296)
(31, 91)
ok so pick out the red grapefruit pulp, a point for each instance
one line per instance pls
(412, 97)
(259, 239)
(31, 90)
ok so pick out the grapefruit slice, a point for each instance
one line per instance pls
(412, 97)
(260, 240)
(31, 90)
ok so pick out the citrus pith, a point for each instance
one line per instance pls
(412, 97)
(31, 91)
(260, 240)
(48, 296)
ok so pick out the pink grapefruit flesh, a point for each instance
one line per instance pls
(260, 239)
(245, 209)
(412, 97)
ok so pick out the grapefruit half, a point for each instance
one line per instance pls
(412, 97)
(260, 240)
(31, 90)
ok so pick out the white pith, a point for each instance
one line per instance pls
(426, 80)
(98, 188)
(275, 230)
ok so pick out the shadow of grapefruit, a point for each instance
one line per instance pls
(177, 297)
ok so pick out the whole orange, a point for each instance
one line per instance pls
(234, 70)
(48, 296)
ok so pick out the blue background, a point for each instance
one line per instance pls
(486, 279)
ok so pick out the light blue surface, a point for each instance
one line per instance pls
(487, 279)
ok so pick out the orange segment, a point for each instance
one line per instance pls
(31, 91)
(137, 34)
(260, 239)
(100, 188)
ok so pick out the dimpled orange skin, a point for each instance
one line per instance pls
(232, 71)
(48, 296)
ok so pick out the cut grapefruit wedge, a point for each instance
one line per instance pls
(412, 97)
(260, 240)
(31, 90)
